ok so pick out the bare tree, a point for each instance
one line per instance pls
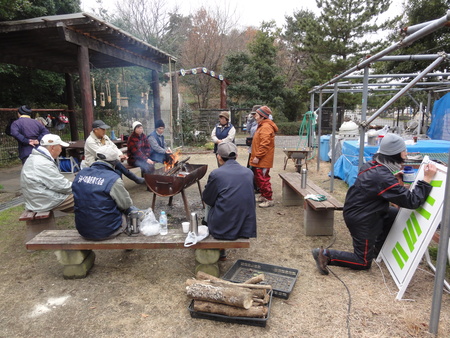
(149, 20)
(211, 37)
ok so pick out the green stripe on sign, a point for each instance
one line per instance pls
(423, 212)
(409, 235)
(416, 224)
(436, 184)
(430, 200)
(397, 252)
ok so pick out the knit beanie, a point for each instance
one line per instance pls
(159, 123)
(136, 124)
(24, 110)
(392, 144)
(264, 111)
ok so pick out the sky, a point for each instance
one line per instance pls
(248, 12)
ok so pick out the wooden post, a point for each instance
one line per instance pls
(85, 88)
(71, 107)
(156, 96)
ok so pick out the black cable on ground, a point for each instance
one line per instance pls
(349, 302)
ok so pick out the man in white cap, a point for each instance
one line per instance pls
(230, 198)
(43, 186)
(98, 138)
(101, 199)
(368, 212)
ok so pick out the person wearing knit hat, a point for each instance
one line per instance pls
(97, 139)
(138, 149)
(224, 131)
(262, 155)
(159, 153)
(27, 131)
(368, 212)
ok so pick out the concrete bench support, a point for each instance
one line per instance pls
(77, 256)
(318, 217)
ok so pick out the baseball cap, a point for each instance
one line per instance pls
(392, 144)
(99, 124)
(227, 150)
(52, 140)
(107, 153)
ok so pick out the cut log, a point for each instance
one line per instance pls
(210, 269)
(207, 256)
(205, 276)
(256, 279)
(256, 293)
(226, 310)
(238, 297)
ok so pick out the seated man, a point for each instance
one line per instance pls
(230, 197)
(98, 138)
(43, 186)
(159, 152)
(101, 199)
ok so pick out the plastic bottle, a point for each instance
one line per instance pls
(163, 223)
(408, 174)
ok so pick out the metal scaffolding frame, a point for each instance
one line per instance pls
(410, 35)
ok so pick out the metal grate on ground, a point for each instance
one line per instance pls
(11, 204)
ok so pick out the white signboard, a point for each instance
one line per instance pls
(412, 232)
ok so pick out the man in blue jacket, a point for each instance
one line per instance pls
(230, 197)
(159, 152)
(101, 199)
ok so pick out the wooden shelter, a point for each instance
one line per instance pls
(72, 43)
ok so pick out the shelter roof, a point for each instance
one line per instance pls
(51, 43)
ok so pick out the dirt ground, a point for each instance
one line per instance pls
(142, 293)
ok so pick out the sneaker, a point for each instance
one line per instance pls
(321, 260)
(259, 199)
(267, 204)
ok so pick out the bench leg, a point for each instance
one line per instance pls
(36, 226)
(289, 196)
(207, 261)
(318, 222)
(77, 263)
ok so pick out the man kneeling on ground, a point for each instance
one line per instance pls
(101, 200)
(229, 197)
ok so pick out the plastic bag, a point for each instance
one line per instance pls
(192, 239)
(149, 225)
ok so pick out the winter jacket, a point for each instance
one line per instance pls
(138, 148)
(158, 147)
(368, 199)
(229, 193)
(43, 185)
(93, 144)
(263, 144)
(225, 133)
(100, 198)
(25, 129)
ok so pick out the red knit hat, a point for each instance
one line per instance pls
(264, 111)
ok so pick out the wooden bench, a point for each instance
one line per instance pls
(37, 222)
(76, 253)
(319, 216)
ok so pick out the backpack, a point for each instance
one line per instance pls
(8, 126)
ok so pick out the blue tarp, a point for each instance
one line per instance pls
(440, 117)
(346, 166)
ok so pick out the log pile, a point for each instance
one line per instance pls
(215, 295)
